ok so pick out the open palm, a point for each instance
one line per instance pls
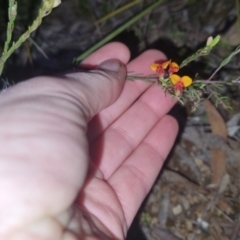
(46, 137)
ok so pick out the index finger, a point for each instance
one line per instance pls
(112, 50)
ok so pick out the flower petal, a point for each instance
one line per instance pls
(165, 64)
(187, 81)
(173, 67)
(175, 78)
(154, 66)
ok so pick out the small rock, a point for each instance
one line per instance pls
(202, 224)
(189, 225)
(185, 203)
(177, 210)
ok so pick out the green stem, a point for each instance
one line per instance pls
(12, 13)
(117, 31)
(226, 61)
(119, 10)
(44, 10)
(215, 72)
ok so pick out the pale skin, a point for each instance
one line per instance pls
(49, 125)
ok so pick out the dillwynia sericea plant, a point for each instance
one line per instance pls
(184, 88)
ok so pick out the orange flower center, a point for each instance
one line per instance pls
(179, 86)
(166, 68)
(160, 70)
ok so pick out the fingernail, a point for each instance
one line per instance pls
(112, 65)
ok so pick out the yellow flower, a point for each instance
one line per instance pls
(173, 67)
(180, 83)
(161, 68)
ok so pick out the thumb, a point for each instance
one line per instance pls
(90, 91)
(99, 88)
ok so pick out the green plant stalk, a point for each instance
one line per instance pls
(117, 31)
(203, 51)
(226, 61)
(45, 9)
(12, 13)
(117, 11)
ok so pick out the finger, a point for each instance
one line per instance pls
(135, 177)
(109, 51)
(128, 131)
(109, 89)
(91, 91)
(131, 91)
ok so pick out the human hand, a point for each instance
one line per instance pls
(51, 188)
